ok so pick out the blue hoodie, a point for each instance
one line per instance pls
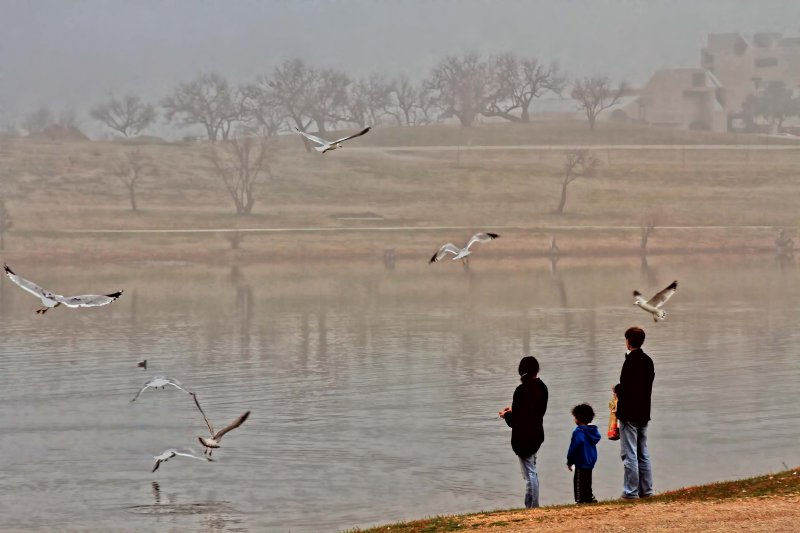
(582, 451)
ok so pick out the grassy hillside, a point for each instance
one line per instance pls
(778, 485)
(53, 189)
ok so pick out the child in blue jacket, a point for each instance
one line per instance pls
(582, 452)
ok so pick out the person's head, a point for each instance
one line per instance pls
(528, 368)
(634, 337)
(583, 413)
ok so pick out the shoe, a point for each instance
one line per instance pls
(624, 497)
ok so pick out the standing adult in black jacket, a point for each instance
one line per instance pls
(524, 417)
(633, 412)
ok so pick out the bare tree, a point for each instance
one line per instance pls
(368, 100)
(6, 223)
(263, 117)
(775, 103)
(209, 101)
(130, 171)
(405, 101)
(577, 164)
(411, 105)
(9, 129)
(514, 83)
(595, 94)
(128, 115)
(329, 98)
(241, 164)
(289, 88)
(38, 120)
(459, 87)
(68, 118)
(650, 221)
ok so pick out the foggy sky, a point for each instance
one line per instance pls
(75, 52)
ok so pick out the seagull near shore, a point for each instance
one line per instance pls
(51, 300)
(169, 453)
(160, 381)
(213, 442)
(654, 304)
(462, 253)
(326, 146)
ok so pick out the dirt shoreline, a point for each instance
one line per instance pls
(764, 504)
(762, 515)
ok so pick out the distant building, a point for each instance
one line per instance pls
(743, 65)
(683, 98)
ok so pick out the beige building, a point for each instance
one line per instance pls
(684, 98)
(743, 65)
(708, 98)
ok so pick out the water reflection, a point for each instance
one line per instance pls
(363, 381)
(649, 274)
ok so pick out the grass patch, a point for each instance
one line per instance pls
(784, 483)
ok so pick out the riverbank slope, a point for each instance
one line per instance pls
(768, 504)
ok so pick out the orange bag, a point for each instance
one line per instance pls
(613, 428)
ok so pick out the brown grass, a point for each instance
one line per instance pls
(55, 189)
(769, 504)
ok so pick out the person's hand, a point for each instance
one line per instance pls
(614, 391)
(569, 467)
(503, 411)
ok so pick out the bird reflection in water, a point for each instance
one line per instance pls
(156, 492)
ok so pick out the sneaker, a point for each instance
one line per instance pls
(624, 497)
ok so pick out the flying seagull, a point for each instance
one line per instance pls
(50, 300)
(213, 442)
(462, 253)
(160, 381)
(168, 454)
(653, 305)
(325, 146)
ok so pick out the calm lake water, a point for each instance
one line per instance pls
(373, 392)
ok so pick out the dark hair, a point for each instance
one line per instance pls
(583, 412)
(528, 367)
(635, 336)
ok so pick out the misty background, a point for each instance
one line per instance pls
(72, 54)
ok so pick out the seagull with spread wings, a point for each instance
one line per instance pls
(326, 146)
(159, 381)
(213, 442)
(461, 253)
(654, 304)
(51, 300)
(169, 453)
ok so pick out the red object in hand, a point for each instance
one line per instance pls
(613, 427)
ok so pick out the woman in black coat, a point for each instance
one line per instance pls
(525, 417)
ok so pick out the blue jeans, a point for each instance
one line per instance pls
(638, 480)
(531, 478)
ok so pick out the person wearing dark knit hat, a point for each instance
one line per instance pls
(525, 417)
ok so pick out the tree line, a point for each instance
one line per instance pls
(297, 94)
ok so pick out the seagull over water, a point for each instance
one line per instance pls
(168, 454)
(51, 300)
(326, 146)
(213, 442)
(160, 381)
(653, 305)
(461, 253)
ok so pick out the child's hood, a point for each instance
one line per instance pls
(591, 433)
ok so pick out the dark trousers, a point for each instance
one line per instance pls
(582, 483)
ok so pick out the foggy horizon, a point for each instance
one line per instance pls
(73, 54)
